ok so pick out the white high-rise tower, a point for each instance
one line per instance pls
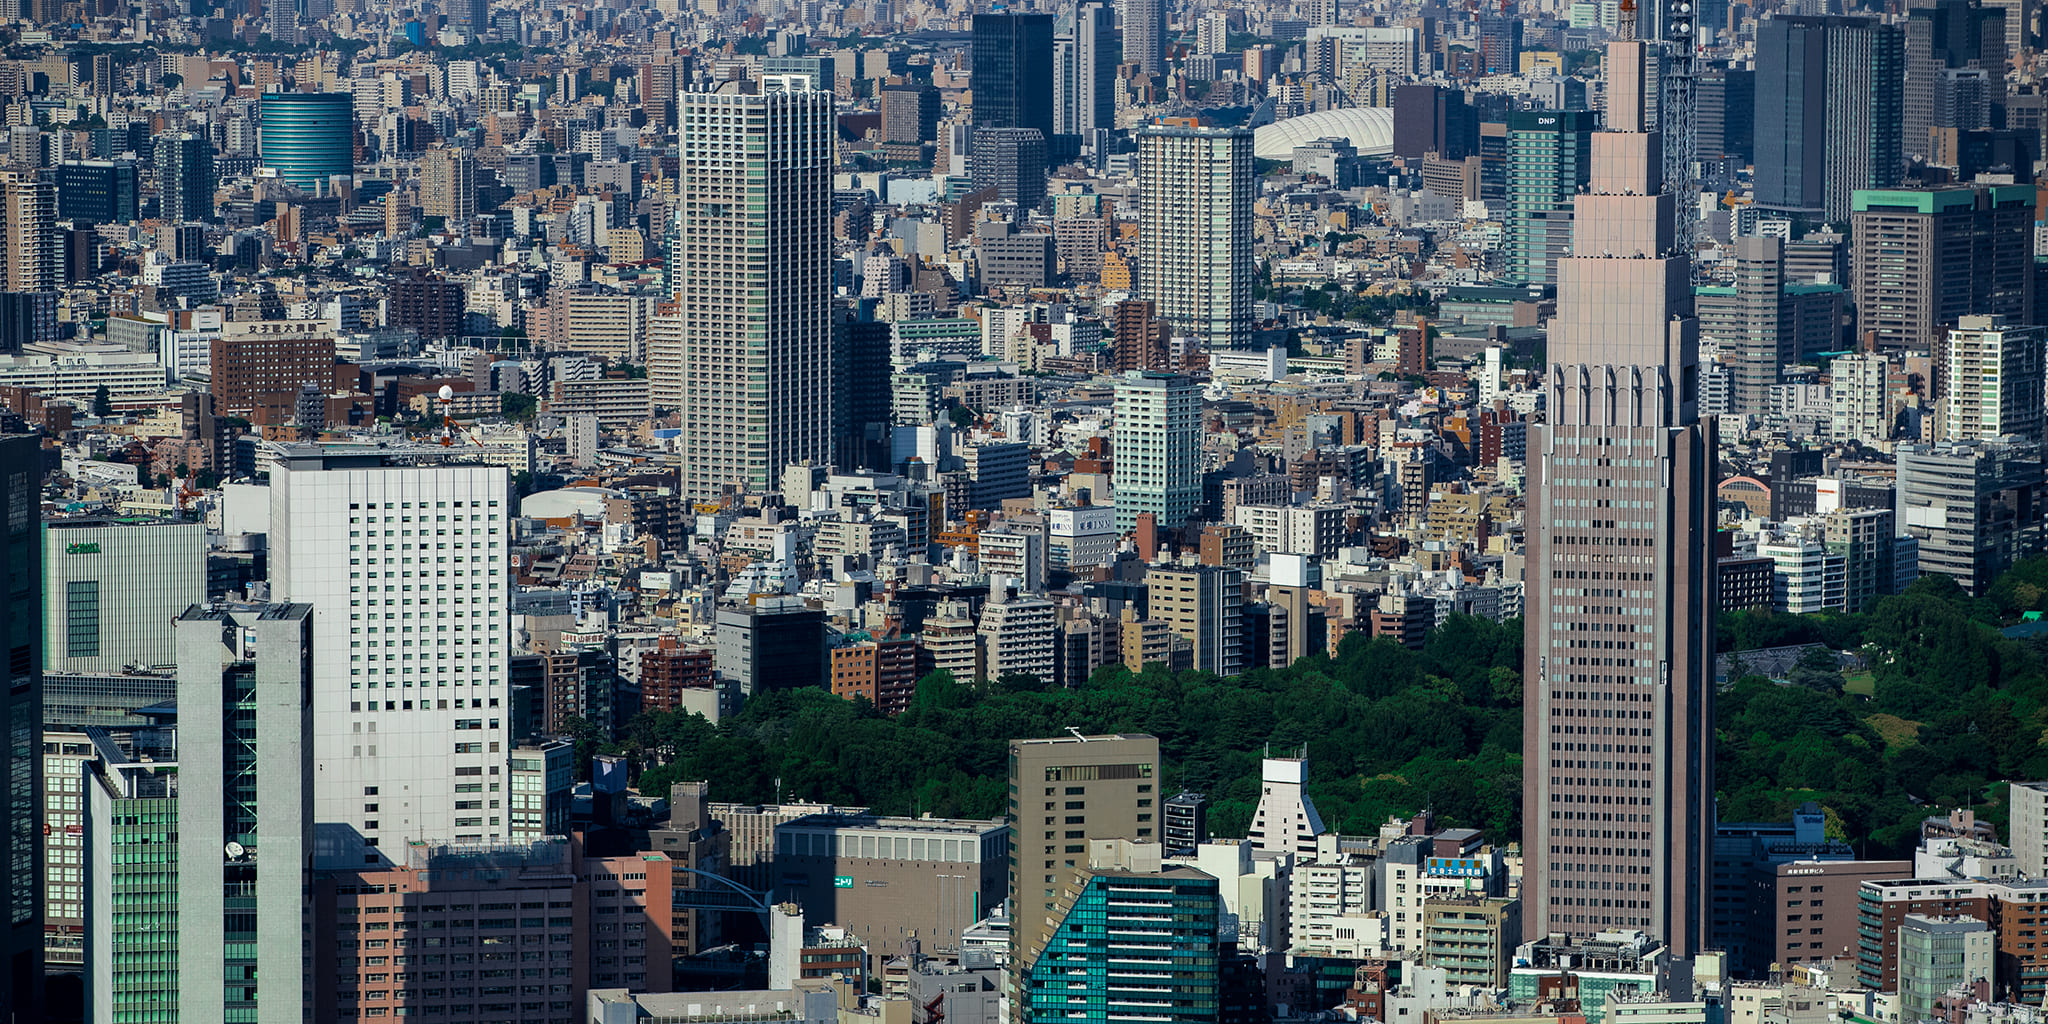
(751, 258)
(406, 570)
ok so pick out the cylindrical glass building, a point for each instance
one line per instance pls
(308, 136)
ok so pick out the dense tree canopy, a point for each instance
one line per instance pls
(1947, 710)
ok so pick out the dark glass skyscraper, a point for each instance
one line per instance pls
(21, 872)
(100, 191)
(308, 137)
(1828, 112)
(1548, 156)
(1013, 72)
(184, 174)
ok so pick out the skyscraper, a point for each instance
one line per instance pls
(406, 570)
(1763, 323)
(1157, 448)
(112, 590)
(448, 186)
(184, 177)
(1942, 39)
(21, 871)
(1923, 258)
(1617, 796)
(1145, 34)
(28, 223)
(1013, 72)
(308, 137)
(1195, 230)
(1087, 71)
(1012, 161)
(1547, 154)
(245, 811)
(97, 191)
(1828, 112)
(752, 255)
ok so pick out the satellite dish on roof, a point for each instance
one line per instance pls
(235, 850)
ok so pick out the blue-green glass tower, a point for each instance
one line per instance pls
(1129, 946)
(308, 136)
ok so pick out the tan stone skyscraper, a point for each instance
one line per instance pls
(28, 223)
(1617, 819)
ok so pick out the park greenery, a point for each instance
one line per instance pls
(1941, 711)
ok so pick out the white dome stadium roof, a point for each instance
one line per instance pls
(1370, 129)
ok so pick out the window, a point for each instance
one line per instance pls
(82, 619)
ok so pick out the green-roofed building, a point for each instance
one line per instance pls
(1923, 258)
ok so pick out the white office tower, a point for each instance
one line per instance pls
(1618, 788)
(752, 253)
(244, 818)
(405, 567)
(1286, 820)
(1195, 230)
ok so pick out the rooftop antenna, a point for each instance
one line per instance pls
(1077, 734)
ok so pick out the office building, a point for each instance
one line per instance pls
(1064, 793)
(1624, 313)
(1285, 821)
(1195, 230)
(1548, 152)
(1204, 605)
(1101, 956)
(1618, 967)
(574, 921)
(1144, 32)
(97, 191)
(1013, 72)
(1434, 119)
(775, 643)
(308, 138)
(892, 880)
(21, 871)
(111, 590)
(753, 247)
(185, 179)
(1924, 258)
(1185, 823)
(1764, 323)
(410, 726)
(1942, 39)
(1087, 72)
(130, 812)
(1297, 627)
(245, 812)
(1158, 445)
(1473, 938)
(1992, 380)
(1828, 108)
(1012, 161)
(1937, 954)
(448, 186)
(1974, 507)
(268, 363)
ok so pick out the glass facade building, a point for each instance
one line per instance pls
(308, 137)
(1129, 947)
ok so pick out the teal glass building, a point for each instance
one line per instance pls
(1130, 946)
(308, 136)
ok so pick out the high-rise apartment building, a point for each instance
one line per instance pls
(1548, 152)
(1087, 72)
(21, 870)
(1992, 380)
(112, 588)
(1065, 792)
(1157, 443)
(1620, 814)
(753, 253)
(1860, 392)
(1144, 30)
(185, 178)
(448, 185)
(1922, 259)
(406, 570)
(245, 812)
(1013, 72)
(1195, 230)
(1828, 99)
(28, 227)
